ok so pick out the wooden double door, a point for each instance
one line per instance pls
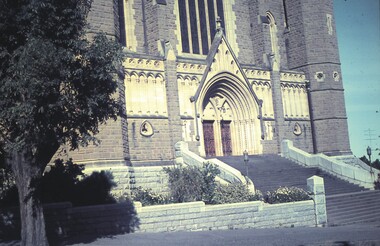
(209, 137)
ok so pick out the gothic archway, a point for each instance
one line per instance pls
(228, 115)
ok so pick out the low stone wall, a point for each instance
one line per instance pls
(127, 178)
(353, 174)
(196, 216)
(64, 221)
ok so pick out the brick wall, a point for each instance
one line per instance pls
(243, 31)
(110, 149)
(306, 45)
(154, 148)
(103, 17)
(313, 49)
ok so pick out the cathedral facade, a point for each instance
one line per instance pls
(226, 76)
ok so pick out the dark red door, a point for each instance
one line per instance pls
(226, 137)
(208, 133)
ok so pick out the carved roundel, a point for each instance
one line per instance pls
(319, 76)
(336, 76)
(146, 129)
(297, 129)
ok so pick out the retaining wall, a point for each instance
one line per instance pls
(63, 221)
(66, 222)
(196, 216)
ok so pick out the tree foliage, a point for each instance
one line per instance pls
(56, 87)
(374, 164)
(190, 183)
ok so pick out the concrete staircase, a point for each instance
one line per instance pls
(346, 203)
(354, 208)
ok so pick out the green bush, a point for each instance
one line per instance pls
(148, 197)
(377, 182)
(286, 194)
(188, 184)
(375, 164)
(66, 182)
(60, 183)
(235, 192)
(94, 189)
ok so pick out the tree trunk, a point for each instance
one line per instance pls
(27, 175)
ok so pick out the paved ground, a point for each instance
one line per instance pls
(343, 235)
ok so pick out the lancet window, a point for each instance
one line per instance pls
(198, 24)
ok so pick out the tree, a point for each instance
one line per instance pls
(56, 87)
(374, 164)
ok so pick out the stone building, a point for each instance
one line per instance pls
(223, 75)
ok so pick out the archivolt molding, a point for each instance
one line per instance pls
(234, 90)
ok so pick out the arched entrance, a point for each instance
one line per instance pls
(228, 115)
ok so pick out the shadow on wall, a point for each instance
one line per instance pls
(70, 225)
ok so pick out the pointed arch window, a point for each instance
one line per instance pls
(198, 23)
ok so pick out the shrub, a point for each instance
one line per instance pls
(377, 182)
(148, 197)
(188, 184)
(66, 182)
(375, 164)
(60, 183)
(94, 189)
(235, 192)
(286, 194)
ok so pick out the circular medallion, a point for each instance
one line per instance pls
(146, 129)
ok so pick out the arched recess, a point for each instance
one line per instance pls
(228, 117)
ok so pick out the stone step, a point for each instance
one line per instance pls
(346, 203)
(343, 198)
(363, 208)
(363, 193)
(354, 208)
(366, 218)
(269, 172)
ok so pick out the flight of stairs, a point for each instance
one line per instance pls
(346, 203)
(354, 208)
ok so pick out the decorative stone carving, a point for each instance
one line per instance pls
(190, 68)
(143, 64)
(146, 129)
(319, 76)
(336, 76)
(297, 129)
(293, 77)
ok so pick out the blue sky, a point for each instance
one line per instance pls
(358, 30)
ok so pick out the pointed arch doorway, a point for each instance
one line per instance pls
(229, 118)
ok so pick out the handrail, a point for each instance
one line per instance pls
(355, 174)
